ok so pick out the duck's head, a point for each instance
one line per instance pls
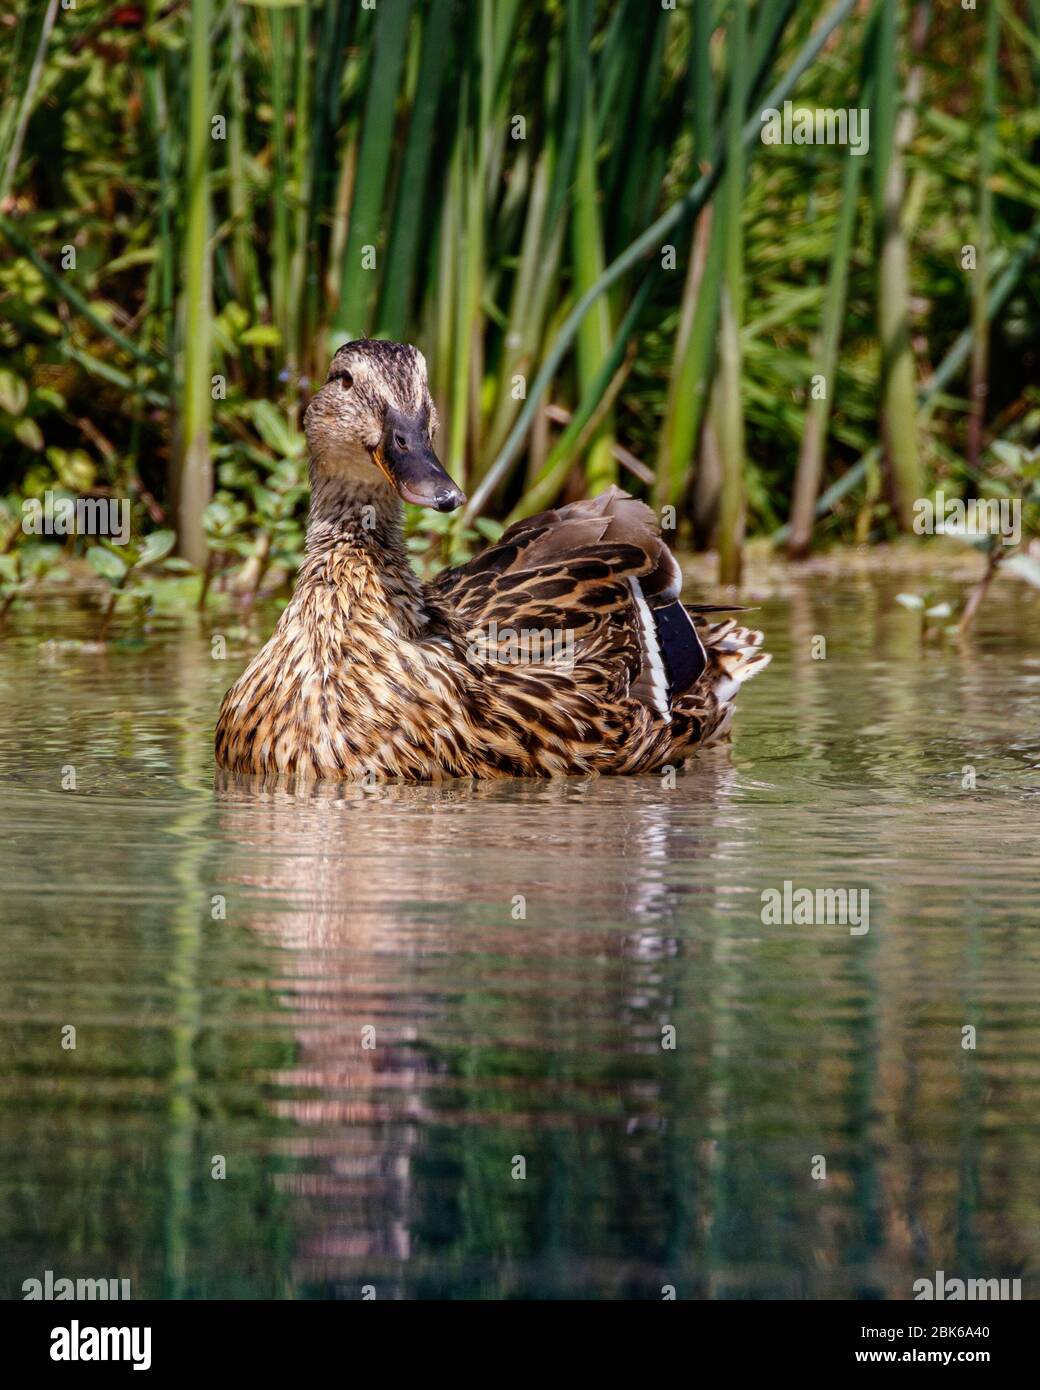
(373, 423)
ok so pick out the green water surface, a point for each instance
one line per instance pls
(521, 952)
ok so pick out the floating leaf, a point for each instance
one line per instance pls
(910, 600)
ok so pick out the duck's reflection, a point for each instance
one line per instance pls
(425, 933)
(348, 860)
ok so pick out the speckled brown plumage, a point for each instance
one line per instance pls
(371, 673)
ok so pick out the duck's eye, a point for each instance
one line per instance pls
(345, 380)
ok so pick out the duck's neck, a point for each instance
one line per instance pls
(355, 547)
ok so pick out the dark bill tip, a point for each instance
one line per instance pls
(406, 457)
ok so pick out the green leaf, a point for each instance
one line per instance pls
(263, 335)
(490, 529)
(1009, 454)
(273, 428)
(47, 323)
(107, 564)
(14, 394)
(143, 255)
(29, 433)
(155, 546)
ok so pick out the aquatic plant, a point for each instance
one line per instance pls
(573, 208)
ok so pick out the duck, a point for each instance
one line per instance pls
(562, 649)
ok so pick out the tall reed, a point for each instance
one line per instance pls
(979, 386)
(729, 409)
(192, 481)
(898, 393)
(504, 185)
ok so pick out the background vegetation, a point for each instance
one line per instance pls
(569, 207)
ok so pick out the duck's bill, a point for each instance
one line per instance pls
(410, 466)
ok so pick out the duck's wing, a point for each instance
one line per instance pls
(560, 563)
(599, 571)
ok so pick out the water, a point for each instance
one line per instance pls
(220, 951)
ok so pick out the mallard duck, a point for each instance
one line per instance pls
(562, 648)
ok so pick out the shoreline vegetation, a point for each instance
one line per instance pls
(629, 238)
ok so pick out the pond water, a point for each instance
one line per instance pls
(336, 992)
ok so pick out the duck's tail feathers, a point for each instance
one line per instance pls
(734, 655)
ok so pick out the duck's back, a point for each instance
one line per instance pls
(597, 576)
